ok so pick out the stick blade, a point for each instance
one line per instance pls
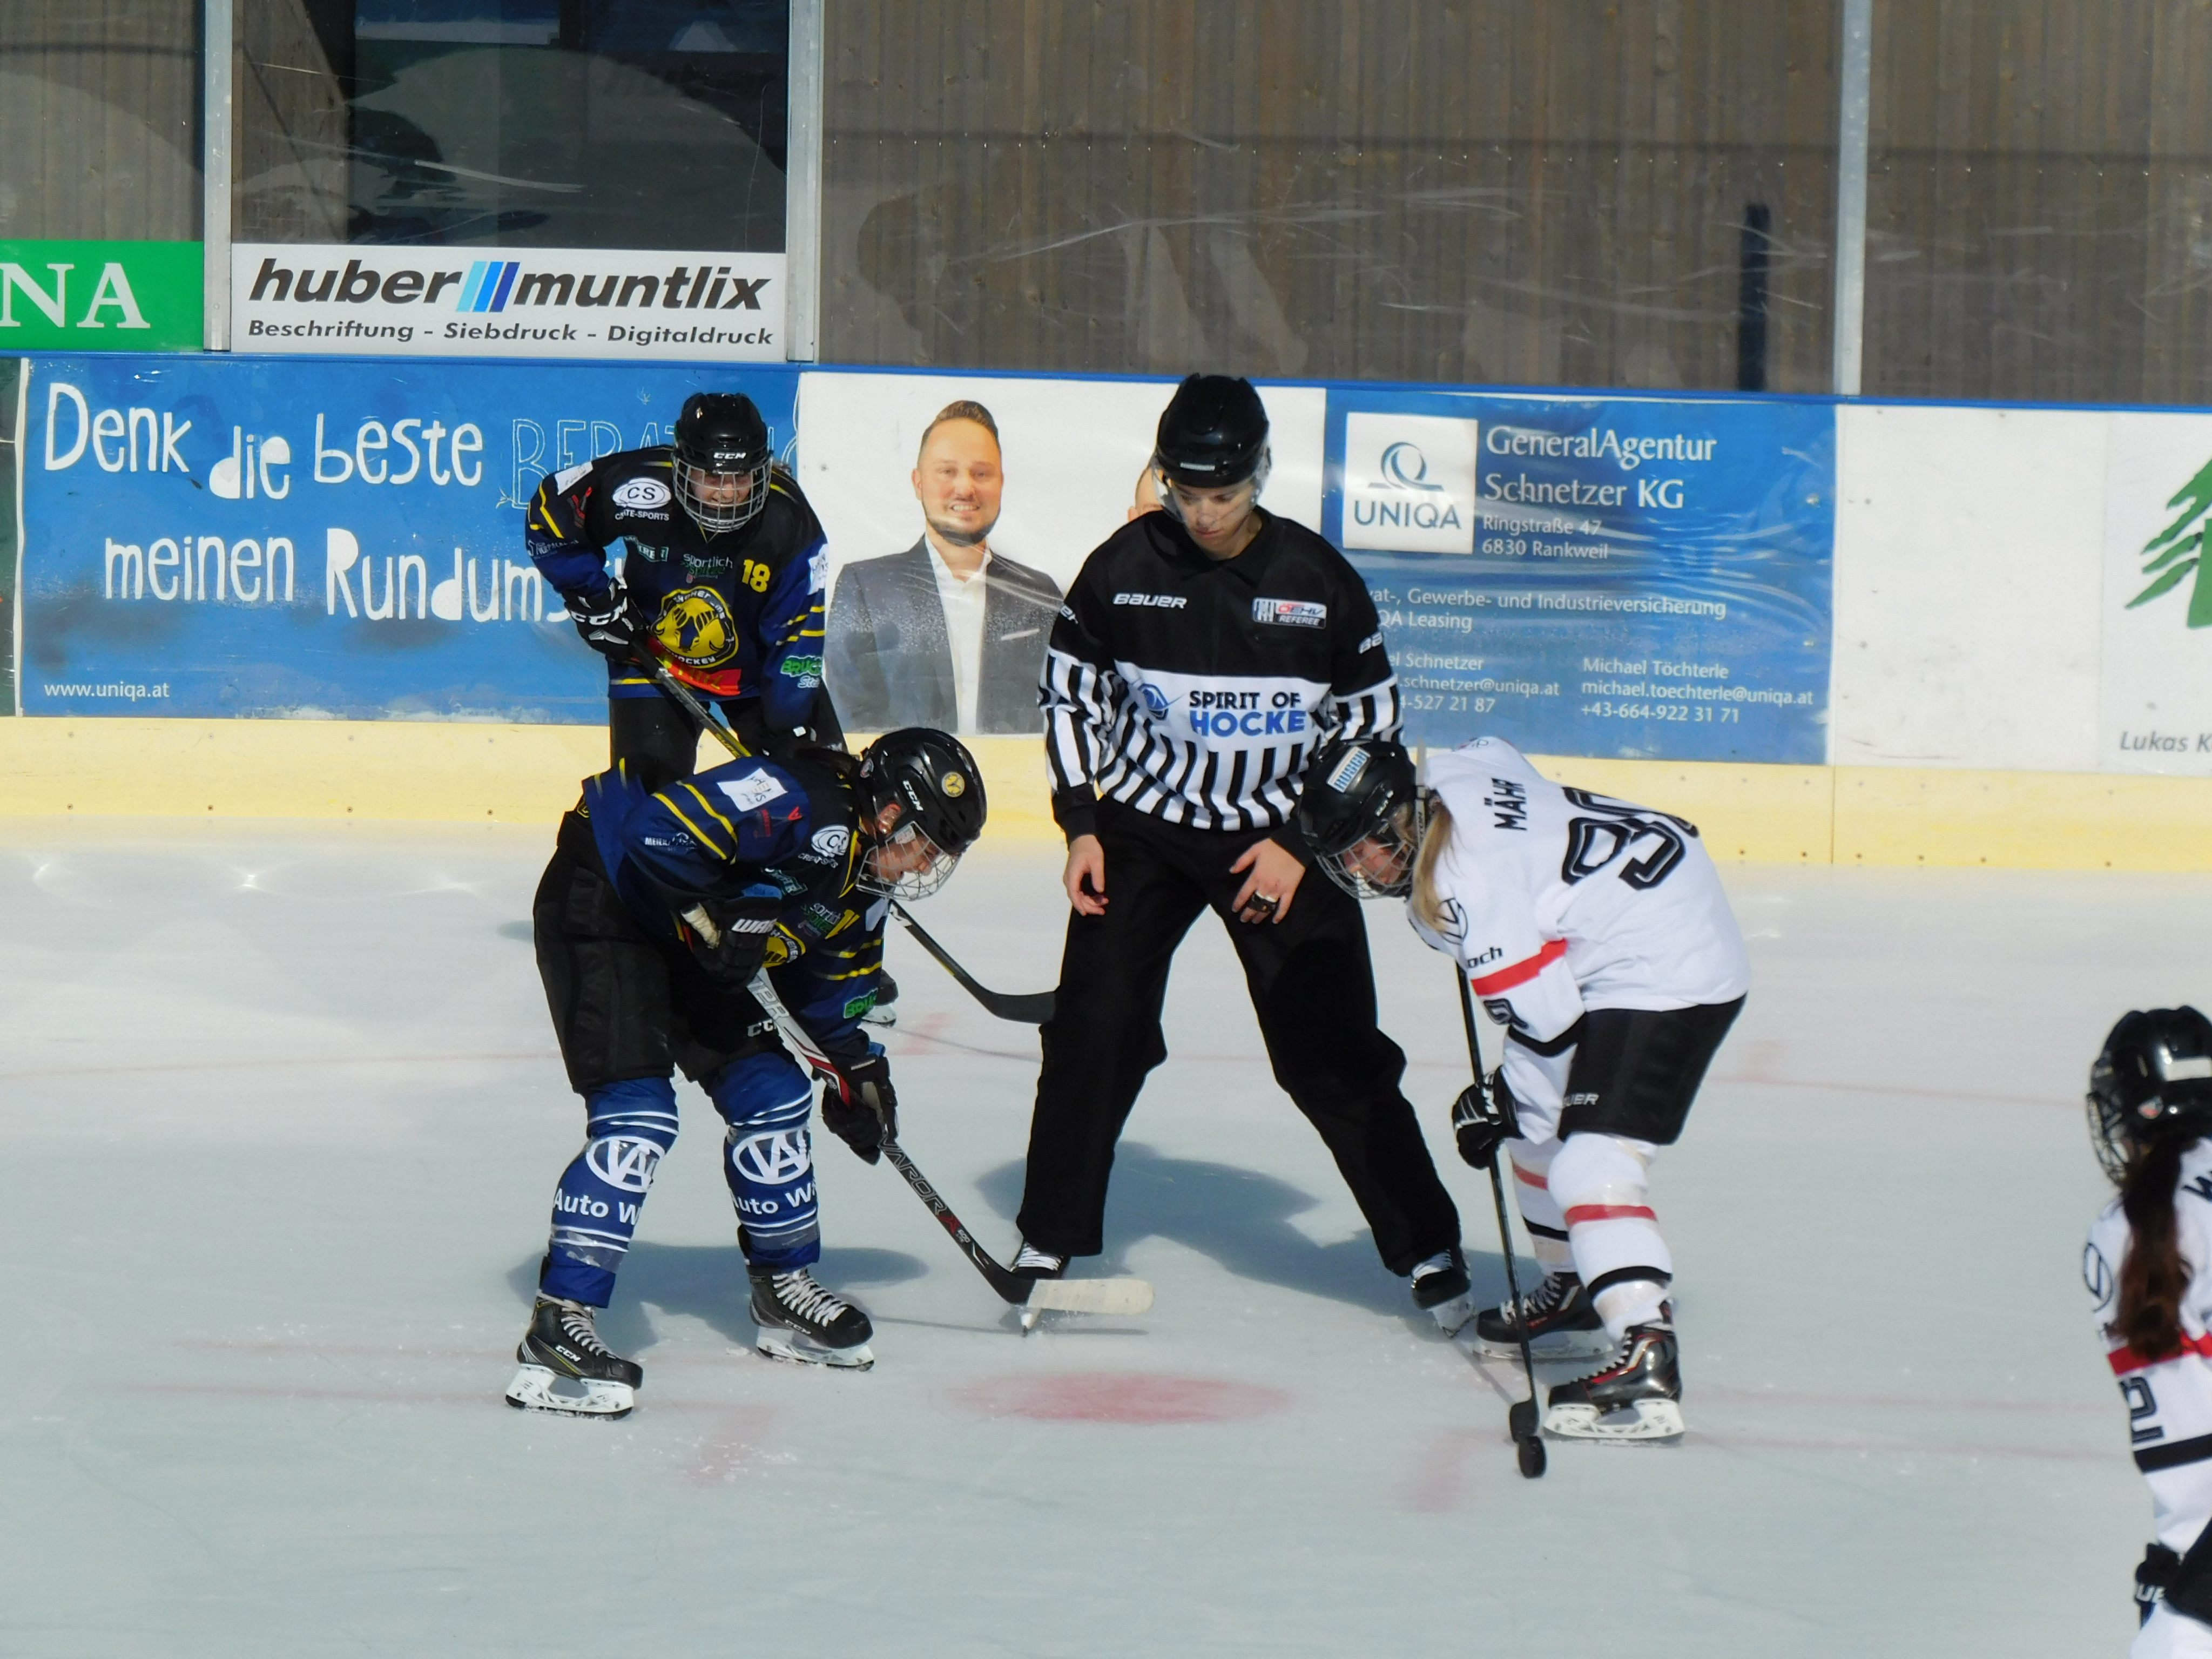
(1092, 1296)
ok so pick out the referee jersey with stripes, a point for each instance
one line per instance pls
(1195, 689)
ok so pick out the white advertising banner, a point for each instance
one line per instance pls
(1071, 451)
(2155, 709)
(507, 302)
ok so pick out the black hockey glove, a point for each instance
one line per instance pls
(860, 1108)
(1482, 1121)
(610, 625)
(731, 948)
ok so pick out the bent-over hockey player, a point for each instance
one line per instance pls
(659, 908)
(1597, 932)
(1201, 653)
(722, 573)
(2148, 1265)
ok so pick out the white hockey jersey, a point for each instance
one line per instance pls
(2169, 1401)
(1557, 900)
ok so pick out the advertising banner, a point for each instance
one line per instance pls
(1603, 576)
(507, 302)
(2155, 708)
(218, 535)
(1035, 472)
(11, 523)
(101, 296)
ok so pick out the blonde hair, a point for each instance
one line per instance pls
(1435, 835)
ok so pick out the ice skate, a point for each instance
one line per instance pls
(883, 1011)
(1031, 1262)
(1562, 1323)
(566, 1369)
(1636, 1397)
(800, 1321)
(1440, 1289)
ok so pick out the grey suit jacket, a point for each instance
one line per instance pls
(891, 658)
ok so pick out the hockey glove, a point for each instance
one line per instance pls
(1483, 1121)
(609, 623)
(731, 948)
(860, 1108)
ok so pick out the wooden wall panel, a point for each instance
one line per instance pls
(1425, 190)
(99, 119)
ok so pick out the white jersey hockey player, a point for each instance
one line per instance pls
(2149, 1268)
(1597, 932)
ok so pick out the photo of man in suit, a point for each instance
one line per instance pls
(949, 633)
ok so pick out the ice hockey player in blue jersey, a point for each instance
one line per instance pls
(723, 563)
(660, 905)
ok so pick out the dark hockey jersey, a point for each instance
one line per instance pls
(770, 848)
(1195, 689)
(736, 615)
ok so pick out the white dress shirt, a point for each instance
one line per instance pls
(963, 600)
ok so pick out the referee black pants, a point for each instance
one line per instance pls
(1314, 991)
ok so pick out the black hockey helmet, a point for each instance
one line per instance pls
(720, 435)
(1213, 433)
(1362, 812)
(933, 780)
(2153, 1078)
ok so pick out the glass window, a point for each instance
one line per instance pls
(582, 124)
(2039, 201)
(1477, 190)
(99, 120)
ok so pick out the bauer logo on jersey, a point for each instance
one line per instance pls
(696, 628)
(1291, 613)
(642, 493)
(751, 792)
(1145, 601)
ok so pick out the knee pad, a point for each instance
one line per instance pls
(1600, 1183)
(629, 1125)
(1531, 1162)
(768, 1158)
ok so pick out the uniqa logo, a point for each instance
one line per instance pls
(2178, 548)
(1404, 467)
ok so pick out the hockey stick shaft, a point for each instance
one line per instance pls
(1029, 1008)
(1504, 1226)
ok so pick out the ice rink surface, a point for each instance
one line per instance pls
(282, 1118)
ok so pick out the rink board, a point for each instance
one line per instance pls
(445, 771)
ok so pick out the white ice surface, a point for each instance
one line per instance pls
(280, 1119)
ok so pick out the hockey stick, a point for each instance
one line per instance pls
(1520, 1418)
(1024, 1008)
(1032, 1296)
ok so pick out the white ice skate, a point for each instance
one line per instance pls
(1637, 1397)
(566, 1369)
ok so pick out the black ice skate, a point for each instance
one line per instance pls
(1562, 1323)
(884, 1010)
(1440, 1289)
(799, 1320)
(566, 1369)
(1031, 1262)
(1637, 1397)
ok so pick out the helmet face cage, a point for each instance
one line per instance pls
(2152, 1081)
(720, 435)
(716, 517)
(931, 872)
(1398, 838)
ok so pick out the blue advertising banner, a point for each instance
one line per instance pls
(1603, 576)
(237, 536)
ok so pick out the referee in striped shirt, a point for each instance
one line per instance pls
(1204, 653)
